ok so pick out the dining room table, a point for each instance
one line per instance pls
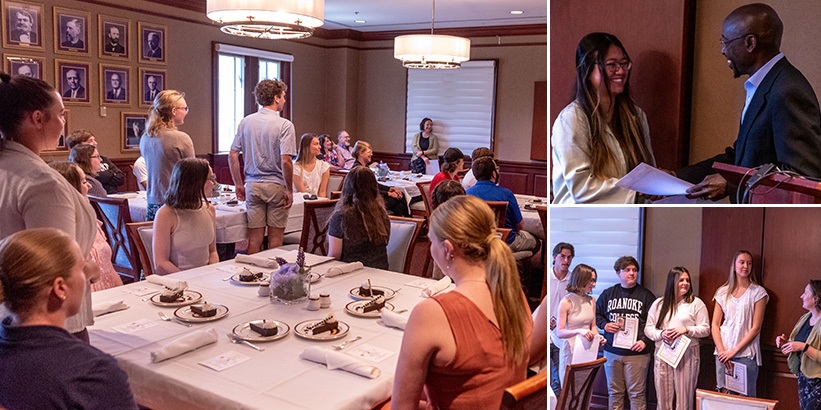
(530, 217)
(228, 374)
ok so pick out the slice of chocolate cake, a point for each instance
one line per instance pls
(328, 325)
(366, 290)
(265, 328)
(171, 296)
(204, 310)
(247, 276)
(376, 303)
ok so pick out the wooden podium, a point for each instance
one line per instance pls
(775, 189)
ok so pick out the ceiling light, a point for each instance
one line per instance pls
(360, 21)
(516, 12)
(283, 19)
(431, 51)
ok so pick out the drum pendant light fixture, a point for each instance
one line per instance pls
(280, 19)
(431, 51)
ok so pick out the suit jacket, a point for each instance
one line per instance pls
(16, 34)
(79, 44)
(81, 92)
(114, 48)
(148, 96)
(782, 126)
(154, 53)
(110, 94)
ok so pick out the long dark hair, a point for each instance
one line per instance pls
(305, 147)
(581, 276)
(668, 304)
(361, 202)
(81, 155)
(451, 156)
(20, 95)
(186, 189)
(591, 53)
(322, 139)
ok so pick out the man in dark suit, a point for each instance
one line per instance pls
(74, 35)
(75, 89)
(154, 49)
(116, 92)
(113, 44)
(24, 29)
(152, 90)
(781, 121)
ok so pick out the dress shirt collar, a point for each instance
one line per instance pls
(752, 83)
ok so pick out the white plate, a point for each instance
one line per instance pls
(315, 277)
(244, 331)
(186, 315)
(389, 293)
(355, 308)
(188, 297)
(299, 330)
(235, 279)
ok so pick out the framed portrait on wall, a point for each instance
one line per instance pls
(115, 84)
(61, 143)
(132, 125)
(23, 65)
(72, 81)
(152, 42)
(114, 34)
(151, 83)
(71, 31)
(22, 25)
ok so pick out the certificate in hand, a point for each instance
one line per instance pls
(626, 338)
(584, 350)
(652, 181)
(735, 378)
(671, 353)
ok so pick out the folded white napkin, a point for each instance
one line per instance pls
(336, 360)
(394, 319)
(257, 260)
(437, 287)
(102, 308)
(185, 344)
(169, 283)
(226, 208)
(343, 269)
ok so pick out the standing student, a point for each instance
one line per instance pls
(626, 368)
(678, 313)
(803, 348)
(563, 254)
(577, 314)
(736, 326)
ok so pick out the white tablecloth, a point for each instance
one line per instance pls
(407, 186)
(276, 378)
(530, 217)
(231, 226)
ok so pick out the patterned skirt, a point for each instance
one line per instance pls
(809, 392)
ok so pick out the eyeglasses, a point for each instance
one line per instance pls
(723, 42)
(613, 66)
(96, 156)
(182, 108)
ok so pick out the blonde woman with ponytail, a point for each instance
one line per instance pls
(462, 348)
(163, 145)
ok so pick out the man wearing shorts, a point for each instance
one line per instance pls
(267, 142)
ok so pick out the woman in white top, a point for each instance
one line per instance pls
(185, 227)
(577, 314)
(678, 313)
(310, 175)
(602, 135)
(736, 326)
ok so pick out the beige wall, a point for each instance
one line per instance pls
(335, 83)
(672, 237)
(718, 98)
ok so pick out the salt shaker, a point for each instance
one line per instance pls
(264, 288)
(313, 303)
(324, 300)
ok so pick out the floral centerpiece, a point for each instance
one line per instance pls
(289, 283)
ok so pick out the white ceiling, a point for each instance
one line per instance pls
(390, 15)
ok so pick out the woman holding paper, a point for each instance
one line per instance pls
(42, 283)
(577, 314)
(736, 326)
(803, 348)
(676, 318)
(602, 135)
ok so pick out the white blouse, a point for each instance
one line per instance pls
(692, 315)
(738, 319)
(311, 180)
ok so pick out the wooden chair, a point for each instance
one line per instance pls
(335, 195)
(404, 234)
(315, 226)
(500, 210)
(542, 210)
(530, 394)
(141, 235)
(505, 232)
(335, 182)
(711, 400)
(114, 213)
(578, 385)
(424, 190)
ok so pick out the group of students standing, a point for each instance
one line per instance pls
(735, 329)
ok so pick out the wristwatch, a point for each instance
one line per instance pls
(806, 346)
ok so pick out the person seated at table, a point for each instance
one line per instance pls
(109, 175)
(487, 174)
(444, 191)
(329, 153)
(453, 160)
(462, 348)
(359, 228)
(100, 251)
(469, 180)
(42, 282)
(185, 227)
(310, 175)
(87, 157)
(394, 199)
(141, 173)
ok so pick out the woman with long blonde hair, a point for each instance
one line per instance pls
(162, 145)
(464, 347)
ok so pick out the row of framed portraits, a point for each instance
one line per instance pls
(23, 29)
(132, 125)
(73, 80)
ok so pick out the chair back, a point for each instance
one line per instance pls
(404, 233)
(578, 385)
(530, 394)
(142, 235)
(711, 400)
(335, 195)
(315, 225)
(424, 190)
(114, 214)
(505, 232)
(499, 208)
(335, 182)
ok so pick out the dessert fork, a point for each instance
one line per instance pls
(237, 340)
(345, 343)
(168, 319)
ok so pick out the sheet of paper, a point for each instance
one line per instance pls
(672, 353)
(652, 181)
(626, 338)
(134, 326)
(585, 350)
(370, 353)
(224, 361)
(142, 290)
(736, 378)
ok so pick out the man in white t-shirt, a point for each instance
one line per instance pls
(563, 254)
(141, 173)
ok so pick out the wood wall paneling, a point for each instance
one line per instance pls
(538, 140)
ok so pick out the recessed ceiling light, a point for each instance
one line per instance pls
(516, 12)
(360, 21)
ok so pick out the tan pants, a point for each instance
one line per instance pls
(627, 375)
(679, 382)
